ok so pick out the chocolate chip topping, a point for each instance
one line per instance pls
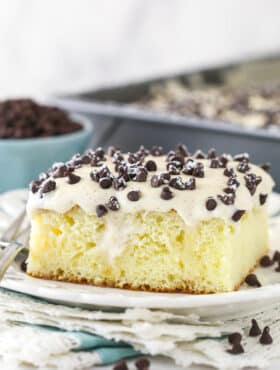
(276, 256)
(199, 154)
(232, 181)
(156, 151)
(166, 193)
(101, 210)
(237, 215)
(61, 171)
(35, 186)
(229, 172)
(237, 349)
(252, 280)
(263, 198)
(251, 182)
(48, 186)
(134, 195)
(73, 179)
(234, 338)
(211, 153)
(227, 199)
(266, 338)
(266, 166)
(255, 330)
(242, 157)
(211, 204)
(142, 363)
(151, 166)
(214, 163)
(113, 204)
(156, 181)
(278, 267)
(266, 261)
(120, 365)
(105, 182)
(119, 183)
(243, 167)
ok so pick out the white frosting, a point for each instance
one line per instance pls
(189, 204)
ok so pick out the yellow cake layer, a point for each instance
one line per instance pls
(161, 254)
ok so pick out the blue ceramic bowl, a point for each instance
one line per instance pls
(21, 160)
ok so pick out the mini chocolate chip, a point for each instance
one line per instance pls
(266, 166)
(224, 159)
(229, 172)
(234, 338)
(166, 193)
(61, 171)
(232, 181)
(190, 184)
(101, 210)
(165, 176)
(94, 175)
(156, 181)
(251, 182)
(73, 179)
(241, 157)
(266, 261)
(112, 150)
(48, 186)
(214, 163)
(174, 168)
(229, 190)
(142, 363)
(237, 349)
(23, 266)
(255, 330)
(156, 151)
(182, 150)
(263, 198)
(105, 182)
(35, 186)
(237, 215)
(151, 166)
(177, 183)
(252, 280)
(227, 199)
(134, 195)
(120, 365)
(266, 337)
(211, 153)
(113, 204)
(119, 183)
(85, 159)
(141, 174)
(198, 170)
(199, 154)
(243, 167)
(132, 158)
(276, 256)
(278, 267)
(211, 204)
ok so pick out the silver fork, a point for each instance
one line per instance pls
(10, 248)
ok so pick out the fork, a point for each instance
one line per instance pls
(10, 246)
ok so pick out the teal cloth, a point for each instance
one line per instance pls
(109, 351)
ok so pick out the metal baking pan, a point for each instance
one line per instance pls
(118, 123)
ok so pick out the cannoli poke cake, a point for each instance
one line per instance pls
(172, 222)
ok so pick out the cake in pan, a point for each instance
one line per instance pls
(150, 221)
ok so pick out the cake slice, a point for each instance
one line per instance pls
(150, 221)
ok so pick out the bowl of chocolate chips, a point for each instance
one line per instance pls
(33, 136)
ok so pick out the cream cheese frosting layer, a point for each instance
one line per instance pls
(191, 205)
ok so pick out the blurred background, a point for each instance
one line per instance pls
(74, 45)
(206, 74)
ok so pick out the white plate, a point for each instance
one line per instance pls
(212, 305)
